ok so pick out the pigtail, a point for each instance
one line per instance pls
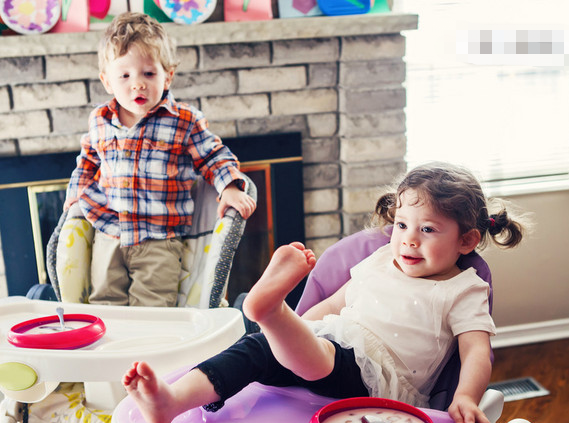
(384, 212)
(503, 229)
(385, 207)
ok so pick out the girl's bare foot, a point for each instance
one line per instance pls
(289, 264)
(152, 395)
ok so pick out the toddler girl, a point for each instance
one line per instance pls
(387, 332)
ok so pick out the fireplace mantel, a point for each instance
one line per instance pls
(221, 33)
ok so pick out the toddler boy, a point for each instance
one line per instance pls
(143, 152)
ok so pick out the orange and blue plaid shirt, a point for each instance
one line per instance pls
(134, 183)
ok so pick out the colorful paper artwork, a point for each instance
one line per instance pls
(151, 8)
(30, 16)
(74, 17)
(298, 8)
(188, 11)
(99, 8)
(247, 10)
(344, 7)
(116, 7)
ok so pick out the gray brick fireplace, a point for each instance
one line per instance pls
(338, 81)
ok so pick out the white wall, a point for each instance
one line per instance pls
(531, 282)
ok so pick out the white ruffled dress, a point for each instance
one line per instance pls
(403, 329)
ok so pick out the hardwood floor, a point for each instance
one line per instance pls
(546, 362)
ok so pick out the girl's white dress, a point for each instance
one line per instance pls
(402, 329)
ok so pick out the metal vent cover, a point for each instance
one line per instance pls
(517, 389)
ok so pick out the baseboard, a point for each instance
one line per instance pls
(508, 336)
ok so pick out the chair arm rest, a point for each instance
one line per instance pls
(492, 404)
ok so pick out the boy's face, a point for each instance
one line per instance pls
(425, 243)
(137, 81)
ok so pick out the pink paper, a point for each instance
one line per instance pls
(247, 10)
(99, 8)
(74, 16)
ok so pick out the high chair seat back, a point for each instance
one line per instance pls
(332, 270)
(206, 262)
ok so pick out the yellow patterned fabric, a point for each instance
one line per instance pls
(67, 404)
(73, 261)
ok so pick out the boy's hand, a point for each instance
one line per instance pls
(240, 201)
(464, 410)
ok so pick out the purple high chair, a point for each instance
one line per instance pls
(261, 404)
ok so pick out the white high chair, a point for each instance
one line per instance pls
(208, 252)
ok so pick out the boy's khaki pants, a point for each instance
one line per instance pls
(146, 274)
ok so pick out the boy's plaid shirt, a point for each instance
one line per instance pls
(134, 183)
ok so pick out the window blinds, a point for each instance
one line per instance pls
(501, 112)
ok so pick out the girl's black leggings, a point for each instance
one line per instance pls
(251, 360)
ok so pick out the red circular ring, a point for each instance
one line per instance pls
(65, 340)
(364, 402)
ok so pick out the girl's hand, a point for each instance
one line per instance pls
(240, 201)
(464, 410)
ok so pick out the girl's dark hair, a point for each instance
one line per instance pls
(456, 193)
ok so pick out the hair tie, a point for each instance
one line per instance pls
(492, 222)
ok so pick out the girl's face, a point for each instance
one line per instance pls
(425, 243)
(137, 81)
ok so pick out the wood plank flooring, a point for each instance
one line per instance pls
(546, 362)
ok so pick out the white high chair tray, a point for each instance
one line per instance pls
(167, 338)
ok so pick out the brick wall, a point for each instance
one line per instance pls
(344, 94)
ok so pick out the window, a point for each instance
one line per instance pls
(488, 87)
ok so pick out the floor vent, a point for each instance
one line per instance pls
(517, 389)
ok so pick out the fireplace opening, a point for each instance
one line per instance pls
(274, 163)
(32, 191)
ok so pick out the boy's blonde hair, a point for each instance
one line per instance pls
(137, 29)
